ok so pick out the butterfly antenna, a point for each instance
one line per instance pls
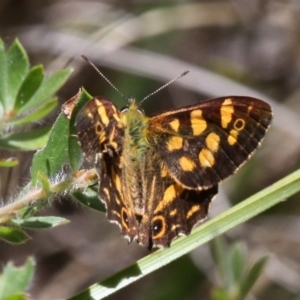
(165, 85)
(102, 75)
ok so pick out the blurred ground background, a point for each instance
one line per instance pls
(140, 45)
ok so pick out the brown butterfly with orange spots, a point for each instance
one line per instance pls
(159, 174)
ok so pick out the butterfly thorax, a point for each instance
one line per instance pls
(135, 152)
(135, 125)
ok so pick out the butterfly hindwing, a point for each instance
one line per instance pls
(101, 136)
(178, 217)
(168, 209)
(118, 210)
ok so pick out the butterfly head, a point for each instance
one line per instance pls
(132, 106)
(132, 114)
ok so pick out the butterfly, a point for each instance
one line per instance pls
(159, 174)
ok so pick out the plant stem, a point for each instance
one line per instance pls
(79, 180)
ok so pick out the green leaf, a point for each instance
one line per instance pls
(50, 159)
(220, 294)
(89, 198)
(38, 114)
(45, 182)
(30, 140)
(231, 218)
(8, 162)
(13, 235)
(29, 86)
(3, 77)
(47, 89)
(16, 297)
(238, 262)
(27, 212)
(220, 253)
(252, 276)
(17, 66)
(15, 280)
(75, 152)
(40, 222)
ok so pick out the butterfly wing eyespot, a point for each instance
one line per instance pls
(158, 227)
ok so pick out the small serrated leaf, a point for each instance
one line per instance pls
(13, 235)
(17, 68)
(89, 198)
(29, 86)
(24, 141)
(40, 222)
(15, 280)
(50, 159)
(48, 87)
(45, 182)
(38, 114)
(27, 212)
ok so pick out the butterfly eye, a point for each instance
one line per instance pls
(140, 111)
(124, 109)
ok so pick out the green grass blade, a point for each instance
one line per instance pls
(236, 215)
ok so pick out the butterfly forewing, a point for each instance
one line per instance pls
(100, 128)
(203, 144)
